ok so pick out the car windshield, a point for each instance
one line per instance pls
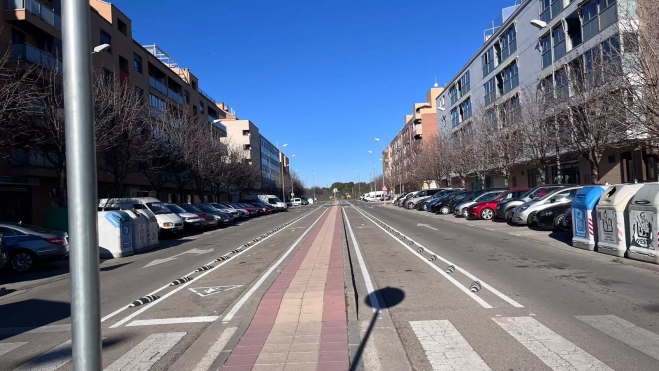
(208, 208)
(158, 208)
(549, 193)
(175, 209)
(190, 208)
(273, 200)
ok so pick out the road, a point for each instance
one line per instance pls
(420, 292)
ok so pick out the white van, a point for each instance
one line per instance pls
(376, 196)
(270, 200)
(167, 220)
(296, 201)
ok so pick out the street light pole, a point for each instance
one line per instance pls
(313, 186)
(283, 188)
(82, 185)
(382, 159)
(359, 186)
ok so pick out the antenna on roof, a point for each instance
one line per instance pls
(436, 84)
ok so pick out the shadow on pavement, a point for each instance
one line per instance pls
(22, 316)
(564, 237)
(390, 298)
(46, 270)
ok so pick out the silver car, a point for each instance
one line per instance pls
(524, 214)
(27, 245)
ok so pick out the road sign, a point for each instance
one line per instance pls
(207, 291)
(384, 188)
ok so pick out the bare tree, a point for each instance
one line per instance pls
(500, 129)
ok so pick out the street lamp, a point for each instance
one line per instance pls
(100, 48)
(359, 186)
(281, 155)
(381, 159)
(538, 24)
(291, 174)
(373, 178)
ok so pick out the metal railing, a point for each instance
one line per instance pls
(29, 53)
(158, 85)
(176, 97)
(207, 96)
(35, 7)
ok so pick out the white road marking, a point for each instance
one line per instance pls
(514, 234)
(8, 347)
(372, 298)
(458, 268)
(446, 348)
(170, 321)
(33, 330)
(258, 283)
(630, 334)
(207, 291)
(147, 353)
(471, 225)
(489, 229)
(215, 349)
(147, 306)
(51, 360)
(554, 350)
(171, 258)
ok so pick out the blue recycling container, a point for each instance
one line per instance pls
(584, 227)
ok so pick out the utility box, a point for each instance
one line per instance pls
(115, 238)
(584, 227)
(643, 211)
(612, 212)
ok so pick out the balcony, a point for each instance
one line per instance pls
(418, 133)
(176, 97)
(28, 53)
(40, 10)
(158, 85)
(210, 99)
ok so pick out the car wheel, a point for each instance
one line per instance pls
(509, 215)
(487, 214)
(425, 207)
(22, 261)
(530, 221)
(444, 210)
(410, 206)
(558, 222)
(464, 212)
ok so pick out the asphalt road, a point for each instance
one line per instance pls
(35, 319)
(550, 306)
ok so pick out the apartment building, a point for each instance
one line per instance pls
(532, 45)
(258, 150)
(33, 30)
(422, 122)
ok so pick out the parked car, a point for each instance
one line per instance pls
(264, 208)
(462, 209)
(504, 209)
(241, 212)
(168, 221)
(446, 206)
(220, 216)
(485, 209)
(3, 253)
(401, 200)
(567, 220)
(191, 221)
(251, 211)
(260, 208)
(552, 217)
(296, 202)
(411, 202)
(422, 204)
(225, 209)
(208, 220)
(524, 214)
(27, 245)
(441, 197)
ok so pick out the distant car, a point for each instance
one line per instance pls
(462, 209)
(27, 245)
(485, 209)
(504, 209)
(251, 211)
(220, 216)
(225, 209)
(446, 206)
(441, 197)
(552, 217)
(208, 219)
(296, 202)
(190, 220)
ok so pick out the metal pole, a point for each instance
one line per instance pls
(359, 185)
(313, 186)
(82, 186)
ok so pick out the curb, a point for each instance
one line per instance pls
(352, 310)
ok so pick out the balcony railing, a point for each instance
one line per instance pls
(176, 97)
(28, 53)
(207, 96)
(40, 10)
(158, 85)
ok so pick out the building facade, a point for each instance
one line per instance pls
(33, 31)
(421, 123)
(534, 45)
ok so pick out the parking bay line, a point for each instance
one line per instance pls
(458, 268)
(362, 266)
(181, 287)
(171, 321)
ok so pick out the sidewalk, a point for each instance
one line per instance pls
(300, 323)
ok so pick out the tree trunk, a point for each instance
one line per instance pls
(542, 179)
(594, 172)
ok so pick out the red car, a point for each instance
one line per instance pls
(485, 210)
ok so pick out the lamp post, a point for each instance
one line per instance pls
(313, 186)
(281, 159)
(292, 191)
(373, 160)
(381, 159)
(290, 173)
(359, 186)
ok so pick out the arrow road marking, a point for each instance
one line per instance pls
(165, 260)
(427, 226)
(207, 291)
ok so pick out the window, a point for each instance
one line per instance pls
(194, 110)
(510, 77)
(157, 103)
(123, 64)
(246, 133)
(106, 39)
(465, 85)
(608, 13)
(453, 93)
(107, 77)
(589, 24)
(556, 7)
(558, 37)
(546, 86)
(201, 107)
(455, 117)
(137, 63)
(194, 85)
(562, 87)
(122, 27)
(465, 110)
(545, 48)
(488, 61)
(187, 96)
(492, 116)
(508, 43)
(545, 10)
(490, 91)
(611, 49)
(591, 60)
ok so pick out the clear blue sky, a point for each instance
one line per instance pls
(326, 77)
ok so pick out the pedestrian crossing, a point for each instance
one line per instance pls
(444, 346)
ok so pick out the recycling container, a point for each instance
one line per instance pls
(152, 229)
(139, 226)
(612, 211)
(114, 234)
(584, 231)
(643, 226)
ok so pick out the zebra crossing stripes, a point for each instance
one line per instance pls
(8, 347)
(630, 334)
(51, 360)
(551, 348)
(147, 353)
(446, 348)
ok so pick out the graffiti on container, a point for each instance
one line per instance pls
(642, 228)
(607, 226)
(580, 223)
